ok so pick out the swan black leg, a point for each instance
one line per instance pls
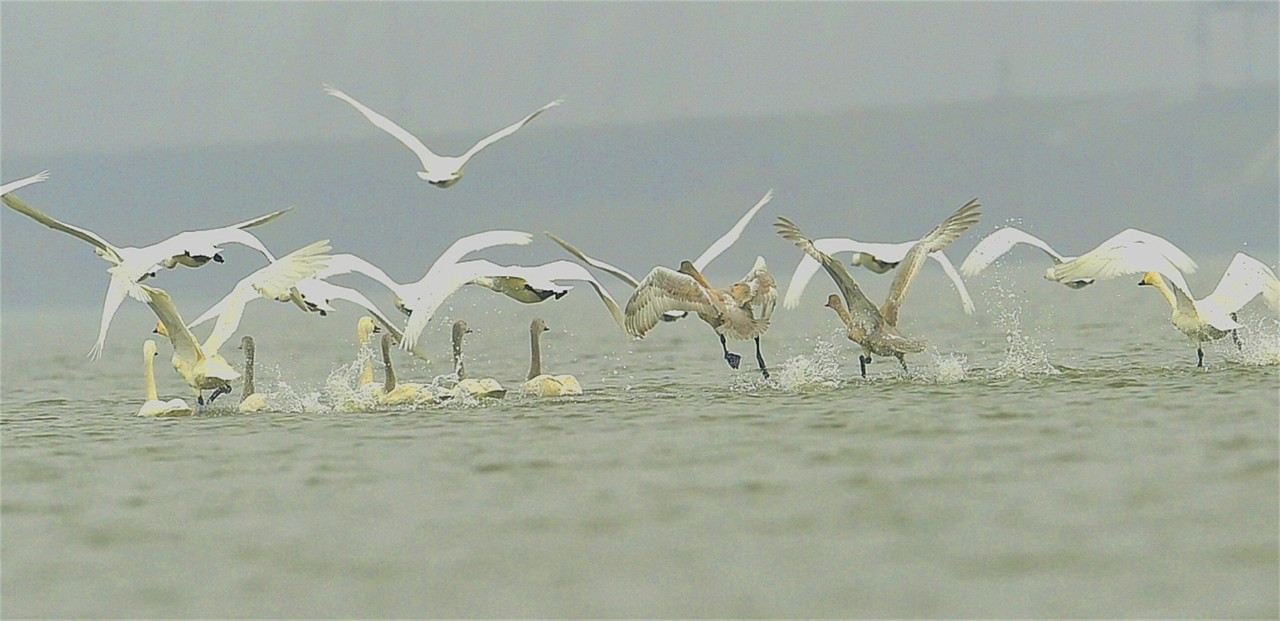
(863, 361)
(733, 359)
(1199, 356)
(221, 390)
(760, 359)
(199, 398)
(902, 361)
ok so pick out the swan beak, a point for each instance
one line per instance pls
(377, 329)
(217, 258)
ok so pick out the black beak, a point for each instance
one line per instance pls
(217, 258)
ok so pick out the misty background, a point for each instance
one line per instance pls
(869, 120)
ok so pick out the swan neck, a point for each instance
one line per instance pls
(149, 368)
(389, 381)
(247, 389)
(535, 355)
(366, 371)
(457, 357)
(1164, 290)
(843, 313)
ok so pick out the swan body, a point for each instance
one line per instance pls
(200, 366)
(130, 266)
(1075, 272)
(1214, 316)
(154, 406)
(875, 328)
(541, 384)
(877, 257)
(438, 170)
(730, 311)
(24, 182)
(250, 399)
(478, 388)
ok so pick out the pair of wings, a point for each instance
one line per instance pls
(1128, 252)
(883, 252)
(665, 290)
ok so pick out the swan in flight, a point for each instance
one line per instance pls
(714, 250)
(250, 399)
(538, 383)
(1213, 317)
(24, 182)
(730, 311)
(130, 266)
(276, 281)
(877, 257)
(875, 329)
(484, 387)
(154, 406)
(399, 394)
(994, 246)
(441, 171)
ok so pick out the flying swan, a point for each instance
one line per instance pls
(439, 170)
(24, 182)
(1003, 239)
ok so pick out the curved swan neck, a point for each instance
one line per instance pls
(246, 343)
(535, 352)
(1156, 281)
(843, 313)
(149, 367)
(389, 383)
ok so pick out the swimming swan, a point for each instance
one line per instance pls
(438, 170)
(200, 366)
(399, 394)
(714, 250)
(996, 244)
(729, 311)
(876, 328)
(1213, 317)
(24, 182)
(130, 266)
(877, 257)
(484, 387)
(154, 406)
(250, 399)
(538, 383)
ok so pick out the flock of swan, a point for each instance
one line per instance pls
(740, 311)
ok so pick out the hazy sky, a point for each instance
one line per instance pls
(107, 76)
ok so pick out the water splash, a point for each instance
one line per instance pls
(1025, 354)
(1259, 341)
(819, 370)
(950, 367)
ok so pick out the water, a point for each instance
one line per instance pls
(1055, 455)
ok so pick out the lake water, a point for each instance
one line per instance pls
(1057, 454)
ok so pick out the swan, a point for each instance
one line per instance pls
(200, 366)
(439, 170)
(876, 328)
(24, 182)
(484, 387)
(1213, 317)
(538, 383)
(714, 250)
(729, 311)
(1003, 239)
(250, 400)
(399, 394)
(877, 257)
(276, 281)
(130, 265)
(154, 406)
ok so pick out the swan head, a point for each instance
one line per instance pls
(538, 325)
(365, 327)
(441, 182)
(869, 261)
(400, 306)
(161, 330)
(246, 344)
(833, 301)
(149, 348)
(1152, 279)
(460, 328)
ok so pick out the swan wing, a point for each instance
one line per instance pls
(275, 281)
(504, 132)
(951, 273)
(728, 239)
(940, 237)
(184, 343)
(1174, 254)
(662, 290)
(105, 248)
(1113, 259)
(762, 289)
(856, 301)
(430, 161)
(809, 266)
(617, 272)
(994, 246)
(568, 270)
(24, 182)
(118, 289)
(473, 243)
(430, 292)
(263, 219)
(348, 263)
(1245, 278)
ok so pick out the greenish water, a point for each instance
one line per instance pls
(1053, 457)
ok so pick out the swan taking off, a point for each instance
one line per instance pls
(877, 257)
(876, 328)
(1213, 317)
(24, 182)
(130, 266)
(538, 383)
(1064, 269)
(154, 406)
(484, 387)
(250, 399)
(730, 311)
(200, 366)
(441, 171)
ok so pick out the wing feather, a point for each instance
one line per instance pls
(504, 132)
(662, 290)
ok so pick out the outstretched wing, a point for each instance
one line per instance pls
(860, 308)
(1245, 278)
(108, 251)
(472, 243)
(937, 239)
(1124, 254)
(1003, 240)
(950, 270)
(616, 272)
(663, 290)
(832, 245)
(728, 239)
(504, 132)
(24, 182)
(274, 281)
(428, 158)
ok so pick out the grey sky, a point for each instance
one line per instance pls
(109, 76)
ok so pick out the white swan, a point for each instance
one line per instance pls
(875, 329)
(24, 182)
(1064, 269)
(485, 387)
(130, 266)
(877, 257)
(528, 284)
(275, 281)
(154, 406)
(729, 311)
(393, 393)
(200, 366)
(541, 384)
(1213, 317)
(250, 399)
(439, 170)
(699, 264)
